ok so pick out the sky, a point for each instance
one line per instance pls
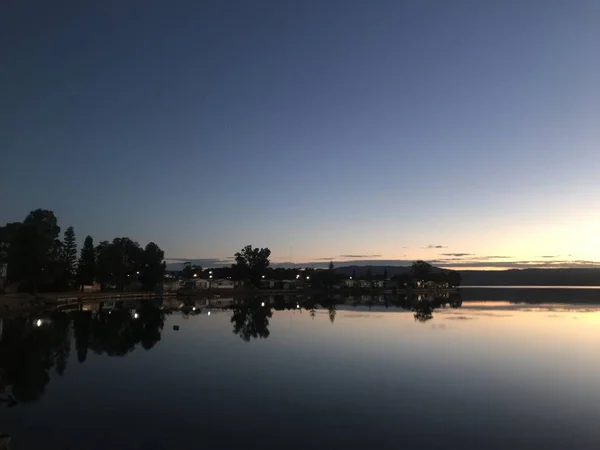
(465, 132)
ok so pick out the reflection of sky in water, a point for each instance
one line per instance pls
(486, 375)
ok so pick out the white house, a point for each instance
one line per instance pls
(194, 284)
(222, 283)
(170, 285)
(94, 287)
(349, 283)
(3, 270)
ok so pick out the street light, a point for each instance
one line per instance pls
(263, 277)
(308, 278)
(195, 275)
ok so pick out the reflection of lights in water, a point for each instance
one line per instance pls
(209, 313)
(136, 315)
(262, 304)
(39, 322)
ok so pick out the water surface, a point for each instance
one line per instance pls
(364, 374)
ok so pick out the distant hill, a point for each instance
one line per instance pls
(531, 277)
(375, 270)
(513, 277)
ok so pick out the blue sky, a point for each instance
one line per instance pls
(316, 128)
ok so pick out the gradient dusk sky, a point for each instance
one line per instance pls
(346, 129)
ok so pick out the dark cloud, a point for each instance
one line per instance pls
(434, 246)
(456, 263)
(457, 254)
(359, 256)
(549, 256)
(324, 259)
(470, 258)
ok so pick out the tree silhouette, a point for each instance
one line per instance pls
(86, 267)
(153, 269)
(251, 264)
(118, 261)
(69, 257)
(34, 250)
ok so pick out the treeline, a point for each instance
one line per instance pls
(37, 259)
(252, 265)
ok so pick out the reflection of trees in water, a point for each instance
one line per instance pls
(26, 356)
(251, 320)
(28, 352)
(424, 307)
(117, 332)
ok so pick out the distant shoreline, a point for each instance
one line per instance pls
(547, 286)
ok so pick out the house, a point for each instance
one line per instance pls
(348, 283)
(433, 285)
(3, 271)
(289, 284)
(267, 284)
(222, 283)
(94, 287)
(194, 284)
(170, 285)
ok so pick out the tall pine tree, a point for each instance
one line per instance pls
(87, 263)
(69, 256)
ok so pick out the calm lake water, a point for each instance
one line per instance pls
(491, 369)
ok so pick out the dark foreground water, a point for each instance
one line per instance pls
(373, 373)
